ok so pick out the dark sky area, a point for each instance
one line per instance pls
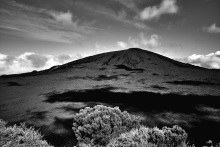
(37, 34)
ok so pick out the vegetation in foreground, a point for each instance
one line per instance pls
(20, 136)
(102, 126)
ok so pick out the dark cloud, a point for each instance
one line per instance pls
(9, 59)
(37, 60)
(63, 58)
(6, 59)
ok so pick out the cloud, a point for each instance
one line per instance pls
(63, 58)
(141, 41)
(30, 61)
(37, 61)
(122, 45)
(212, 29)
(2, 57)
(99, 48)
(65, 18)
(130, 4)
(120, 16)
(22, 21)
(211, 60)
(150, 42)
(166, 7)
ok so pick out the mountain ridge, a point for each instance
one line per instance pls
(133, 58)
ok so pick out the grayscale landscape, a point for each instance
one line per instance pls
(158, 61)
(137, 80)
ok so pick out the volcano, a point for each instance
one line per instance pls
(131, 70)
(48, 99)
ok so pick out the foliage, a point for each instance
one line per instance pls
(156, 136)
(151, 137)
(20, 136)
(102, 126)
(134, 138)
(174, 136)
(98, 125)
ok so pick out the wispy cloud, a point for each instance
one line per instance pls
(211, 60)
(130, 4)
(41, 24)
(119, 16)
(123, 17)
(30, 61)
(143, 41)
(166, 7)
(133, 15)
(212, 29)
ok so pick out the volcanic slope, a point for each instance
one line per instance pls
(127, 70)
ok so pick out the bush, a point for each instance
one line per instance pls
(156, 136)
(134, 138)
(98, 125)
(151, 137)
(174, 136)
(20, 136)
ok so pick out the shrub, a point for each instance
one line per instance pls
(98, 125)
(134, 138)
(174, 136)
(151, 137)
(20, 136)
(217, 145)
(156, 136)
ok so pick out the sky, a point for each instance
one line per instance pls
(38, 34)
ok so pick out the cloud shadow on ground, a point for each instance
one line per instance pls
(193, 83)
(190, 112)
